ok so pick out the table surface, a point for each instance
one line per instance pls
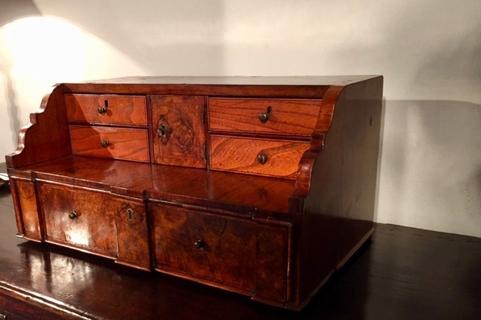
(403, 273)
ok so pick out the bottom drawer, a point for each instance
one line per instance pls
(97, 222)
(240, 255)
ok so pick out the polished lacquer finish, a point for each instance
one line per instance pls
(259, 186)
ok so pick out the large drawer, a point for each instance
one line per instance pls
(97, 222)
(268, 157)
(297, 117)
(238, 254)
(106, 109)
(109, 142)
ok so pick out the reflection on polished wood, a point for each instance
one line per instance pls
(404, 274)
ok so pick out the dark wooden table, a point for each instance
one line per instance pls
(403, 273)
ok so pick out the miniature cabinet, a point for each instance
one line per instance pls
(256, 185)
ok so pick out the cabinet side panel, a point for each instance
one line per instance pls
(27, 202)
(339, 209)
(47, 137)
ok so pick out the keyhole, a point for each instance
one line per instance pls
(130, 214)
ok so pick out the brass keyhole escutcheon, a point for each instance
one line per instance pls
(104, 143)
(262, 158)
(264, 116)
(130, 214)
(103, 109)
(164, 130)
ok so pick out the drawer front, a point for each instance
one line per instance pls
(179, 132)
(256, 156)
(106, 109)
(270, 116)
(79, 218)
(132, 234)
(237, 254)
(106, 142)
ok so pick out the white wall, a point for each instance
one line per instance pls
(429, 52)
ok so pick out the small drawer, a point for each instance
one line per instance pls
(106, 109)
(107, 225)
(296, 117)
(256, 156)
(108, 142)
(79, 218)
(239, 254)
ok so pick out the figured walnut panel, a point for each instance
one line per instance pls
(241, 155)
(297, 117)
(221, 250)
(93, 228)
(119, 109)
(132, 235)
(179, 131)
(25, 195)
(122, 143)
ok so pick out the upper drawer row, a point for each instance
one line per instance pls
(297, 117)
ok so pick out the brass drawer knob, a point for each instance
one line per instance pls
(73, 215)
(199, 244)
(264, 116)
(262, 158)
(103, 109)
(104, 143)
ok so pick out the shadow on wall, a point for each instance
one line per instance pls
(432, 164)
(12, 10)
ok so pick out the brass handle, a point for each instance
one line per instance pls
(73, 215)
(103, 109)
(199, 244)
(130, 214)
(264, 116)
(104, 143)
(262, 158)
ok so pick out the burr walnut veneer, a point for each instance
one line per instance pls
(260, 186)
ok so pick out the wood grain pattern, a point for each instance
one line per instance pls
(132, 235)
(184, 140)
(287, 116)
(94, 227)
(228, 253)
(25, 193)
(123, 143)
(240, 155)
(120, 109)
